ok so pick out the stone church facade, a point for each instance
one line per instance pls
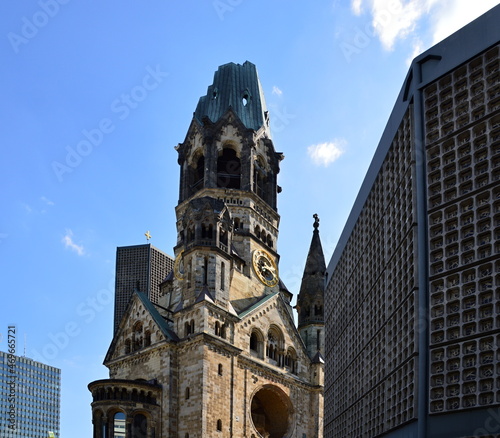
(219, 354)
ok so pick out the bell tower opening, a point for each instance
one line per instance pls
(228, 170)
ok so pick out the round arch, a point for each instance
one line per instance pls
(271, 412)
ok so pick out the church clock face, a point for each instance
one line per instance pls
(265, 267)
(179, 266)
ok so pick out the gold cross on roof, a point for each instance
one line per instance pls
(148, 235)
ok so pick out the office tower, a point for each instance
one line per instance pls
(30, 397)
(220, 355)
(138, 267)
(413, 294)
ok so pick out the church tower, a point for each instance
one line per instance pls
(310, 302)
(219, 355)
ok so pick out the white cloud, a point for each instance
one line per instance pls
(68, 243)
(27, 208)
(452, 15)
(324, 154)
(277, 91)
(47, 201)
(395, 20)
(356, 7)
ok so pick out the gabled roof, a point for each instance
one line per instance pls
(257, 304)
(160, 321)
(153, 312)
(237, 87)
(286, 314)
(204, 295)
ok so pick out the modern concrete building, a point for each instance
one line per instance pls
(219, 355)
(412, 302)
(30, 398)
(139, 267)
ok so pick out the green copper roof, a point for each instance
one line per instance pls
(238, 87)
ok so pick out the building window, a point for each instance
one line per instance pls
(257, 232)
(220, 369)
(219, 425)
(187, 393)
(139, 426)
(119, 425)
(189, 327)
(228, 170)
(137, 336)
(256, 344)
(127, 346)
(222, 276)
(147, 338)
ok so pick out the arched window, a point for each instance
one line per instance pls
(217, 328)
(274, 344)
(257, 232)
(187, 393)
(291, 360)
(207, 231)
(119, 425)
(223, 331)
(195, 172)
(137, 336)
(140, 426)
(190, 234)
(228, 170)
(127, 346)
(258, 177)
(269, 241)
(219, 425)
(220, 369)
(256, 344)
(147, 338)
(223, 236)
(189, 327)
(200, 172)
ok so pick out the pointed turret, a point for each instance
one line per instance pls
(310, 301)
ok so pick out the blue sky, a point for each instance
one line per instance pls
(95, 95)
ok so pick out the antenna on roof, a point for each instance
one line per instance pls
(24, 353)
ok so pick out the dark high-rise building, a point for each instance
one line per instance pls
(139, 267)
(413, 296)
(30, 394)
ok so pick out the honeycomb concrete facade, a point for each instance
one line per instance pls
(218, 353)
(412, 300)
